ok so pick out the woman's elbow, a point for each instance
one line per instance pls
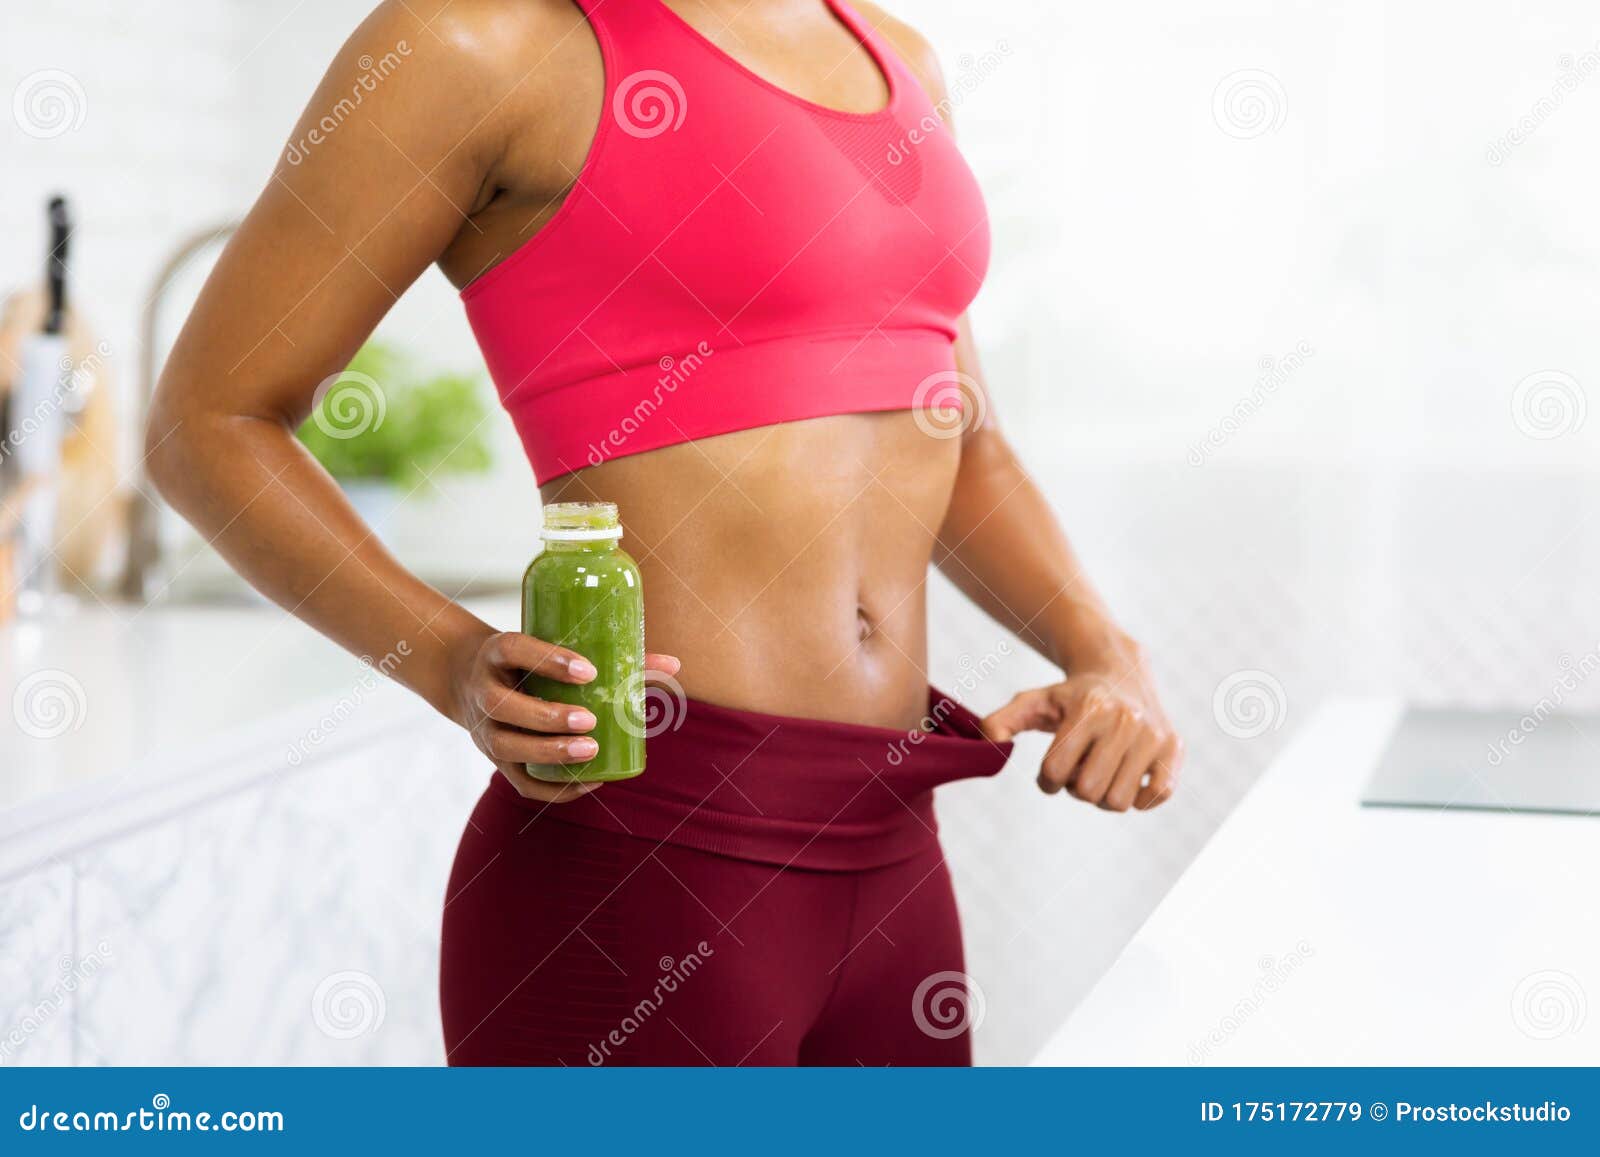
(164, 447)
(175, 446)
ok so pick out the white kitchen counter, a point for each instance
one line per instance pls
(111, 714)
(1312, 930)
(220, 838)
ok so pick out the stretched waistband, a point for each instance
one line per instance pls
(806, 793)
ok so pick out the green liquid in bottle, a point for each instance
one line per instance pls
(583, 592)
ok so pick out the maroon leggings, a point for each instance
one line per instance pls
(775, 896)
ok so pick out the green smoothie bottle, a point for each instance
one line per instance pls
(583, 592)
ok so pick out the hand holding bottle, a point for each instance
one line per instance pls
(515, 729)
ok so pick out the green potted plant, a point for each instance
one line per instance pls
(386, 431)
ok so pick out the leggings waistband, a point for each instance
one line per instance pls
(774, 789)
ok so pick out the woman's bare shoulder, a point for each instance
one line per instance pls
(452, 78)
(911, 46)
(470, 54)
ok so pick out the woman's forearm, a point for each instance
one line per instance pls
(249, 486)
(1113, 745)
(1002, 545)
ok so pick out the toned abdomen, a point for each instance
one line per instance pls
(786, 565)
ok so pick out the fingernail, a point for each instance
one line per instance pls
(581, 669)
(580, 720)
(583, 748)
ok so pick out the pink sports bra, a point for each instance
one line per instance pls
(731, 256)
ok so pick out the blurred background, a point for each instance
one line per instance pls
(1291, 312)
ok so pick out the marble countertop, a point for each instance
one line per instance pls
(111, 712)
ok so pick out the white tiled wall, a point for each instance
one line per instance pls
(158, 149)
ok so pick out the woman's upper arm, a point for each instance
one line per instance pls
(377, 178)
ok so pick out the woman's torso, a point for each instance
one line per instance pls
(784, 564)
